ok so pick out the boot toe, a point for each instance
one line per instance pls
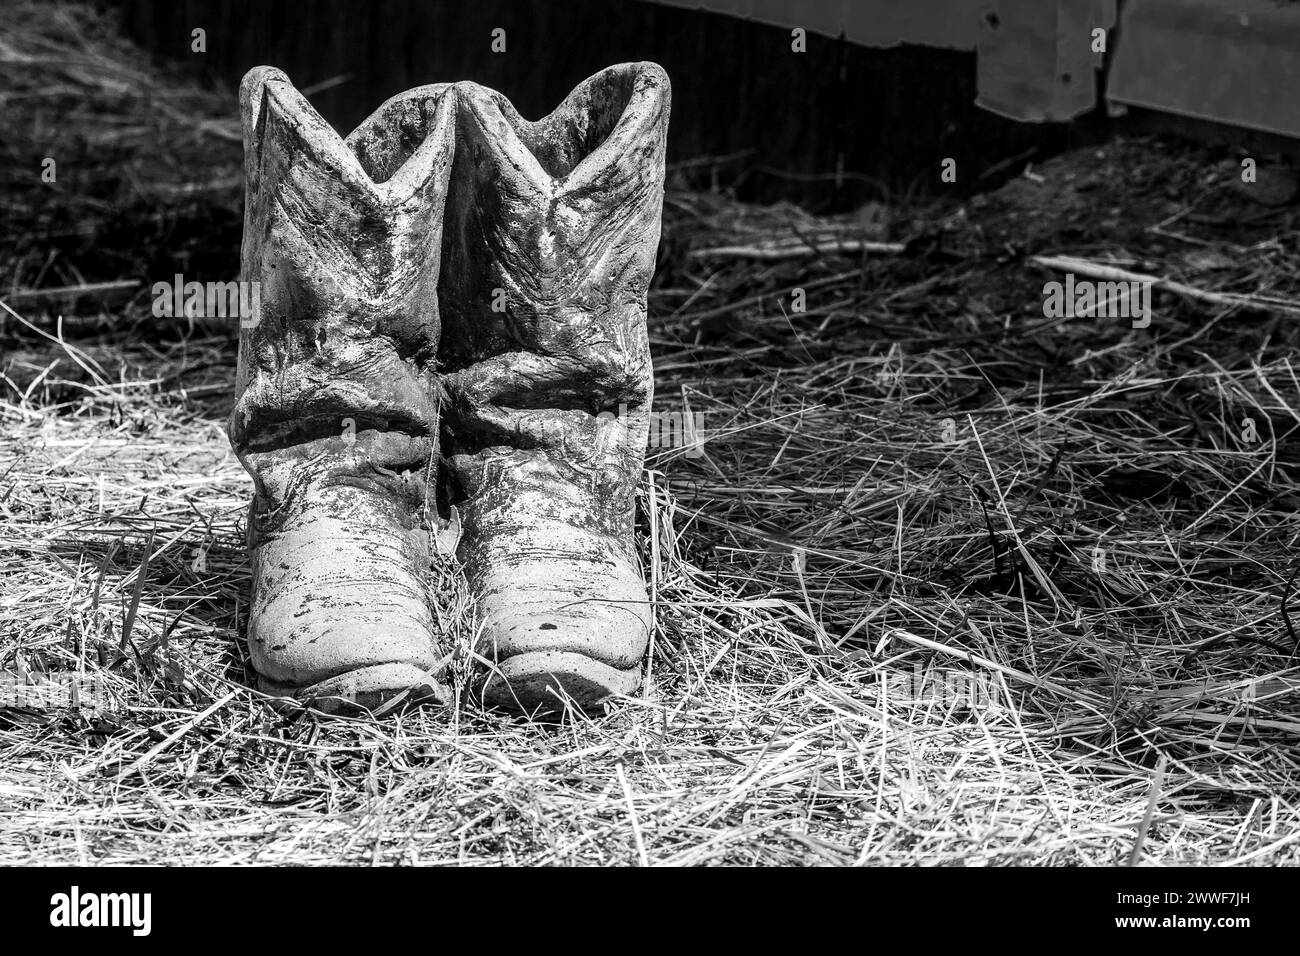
(546, 683)
(381, 687)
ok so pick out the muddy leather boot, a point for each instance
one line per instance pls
(550, 240)
(336, 417)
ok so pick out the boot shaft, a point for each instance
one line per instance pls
(552, 225)
(551, 233)
(345, 238)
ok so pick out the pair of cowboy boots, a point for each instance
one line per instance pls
(452, 314)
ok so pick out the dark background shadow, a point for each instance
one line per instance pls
(886, 117)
